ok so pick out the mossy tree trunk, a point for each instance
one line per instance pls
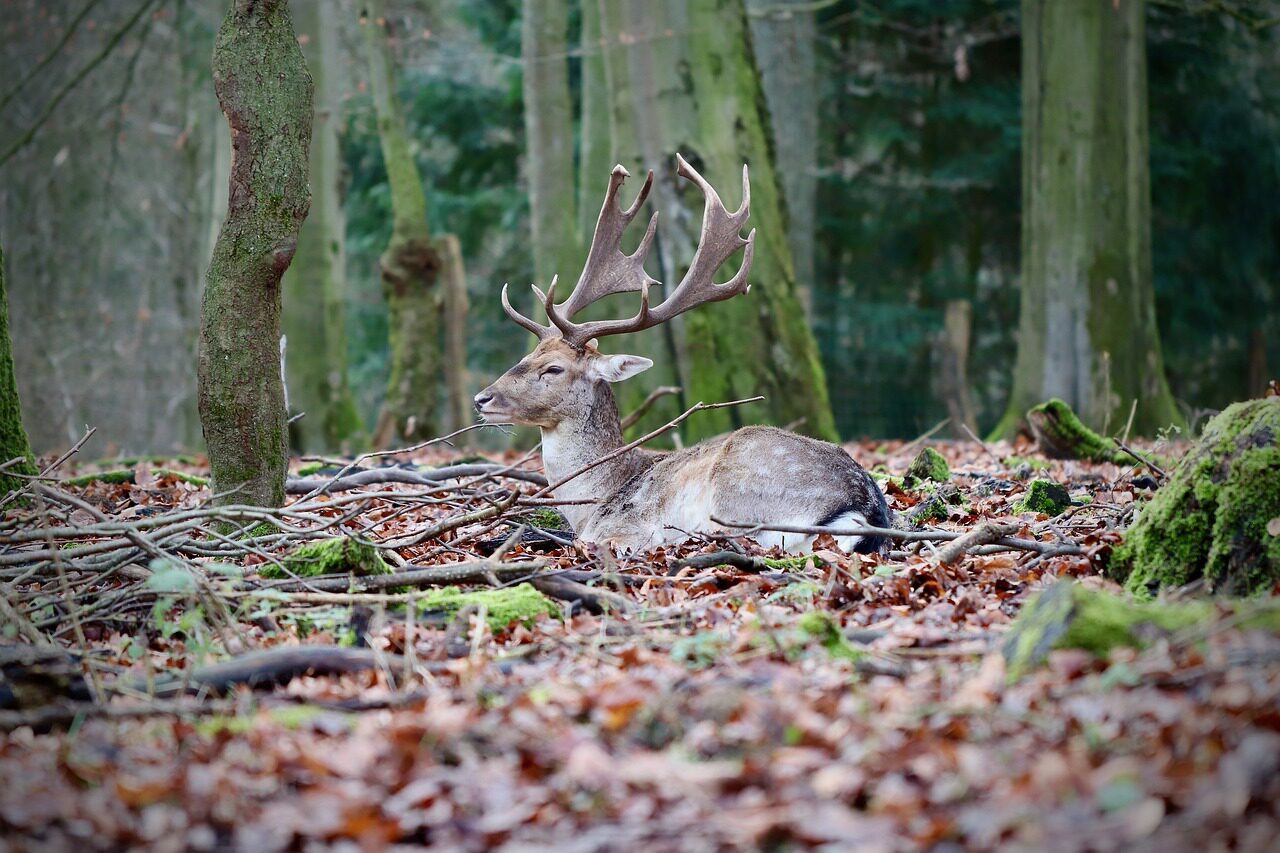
(1087, 333)
(13, 436)
(764, 336)
(314, 286)
(548, 121)
(265, 92)
(410, 265)
(699, 93)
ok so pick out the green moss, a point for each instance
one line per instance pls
(262, 528)
(312, 468)
(545, 518)
(1061, 433)
(929, 465)
(342, 555)
(1209, 520)
(13, 436)
(522, 604)
(129, 475)
(792, 564)
(823, 628)
(1033, 464)
(1044, 496)
(1070, 616)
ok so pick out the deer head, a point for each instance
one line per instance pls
(566, 375)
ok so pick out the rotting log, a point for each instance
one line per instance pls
(265, 91)
(1060, 434)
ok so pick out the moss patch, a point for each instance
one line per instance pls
(129, 475)
(1062, 435)
(821, 627)
(546, 518)
(929, 465)
(1044, 496)
(342, 555)
(522, 604)
(1070, 616)
(1210, 519)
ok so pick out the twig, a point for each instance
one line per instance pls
(55, 465)
(654, 395)
(474, 571)
(1159, 472)
(921, 439)
(627, 448)
(964, 426)
(433, 477)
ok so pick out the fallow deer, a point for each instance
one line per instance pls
(756, 475)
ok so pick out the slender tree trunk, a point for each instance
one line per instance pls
(410, 265)
(783, 37)
(13, 436)
(456, 306)
(548, 121)
(594, 162)
(1087, 332)
(315, 285)
(953, 372)
(265, 91)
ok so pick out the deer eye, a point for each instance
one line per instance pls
(553, 370)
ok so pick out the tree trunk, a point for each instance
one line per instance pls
(953, 372)
(594, 139)
(456, 306)
(265, 91)
(13, 436)
(783, 37)
(410, 265)
(314, 287)
(1087, 333)
(548, 121)
(764, 336)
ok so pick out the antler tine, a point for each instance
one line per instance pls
(543, 332)
(721, 236)
(607, 269)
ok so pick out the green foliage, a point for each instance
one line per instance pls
(1210, 520)
(822, 627)
(502, 607)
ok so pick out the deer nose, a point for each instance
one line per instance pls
(482, 400)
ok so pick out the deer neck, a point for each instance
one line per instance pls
(576, 443)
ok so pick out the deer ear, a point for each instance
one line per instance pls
(615, 368)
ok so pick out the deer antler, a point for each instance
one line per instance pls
(608, 270)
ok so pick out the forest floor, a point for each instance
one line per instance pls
(704, 712)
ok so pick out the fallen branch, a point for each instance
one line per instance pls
(654, 396)
(475, 571)
(1005, 543)
(984, 534)
(433, 477)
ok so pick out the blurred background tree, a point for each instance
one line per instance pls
(908, 135)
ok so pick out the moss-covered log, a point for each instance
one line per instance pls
(410, 265)
(1061, 434)
(1214, 518)
(13, 436)
(1070, 616)
(265, 92)
(929, 465)
(1044, 496)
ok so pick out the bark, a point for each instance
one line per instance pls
(265, 91)
(1087, 333)
(548, 120)
(783, 36)
(953, 365)
(314, 287)
(594, 139)
(410, 265)
(13, 436)
(764, 335)
(456, 306)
